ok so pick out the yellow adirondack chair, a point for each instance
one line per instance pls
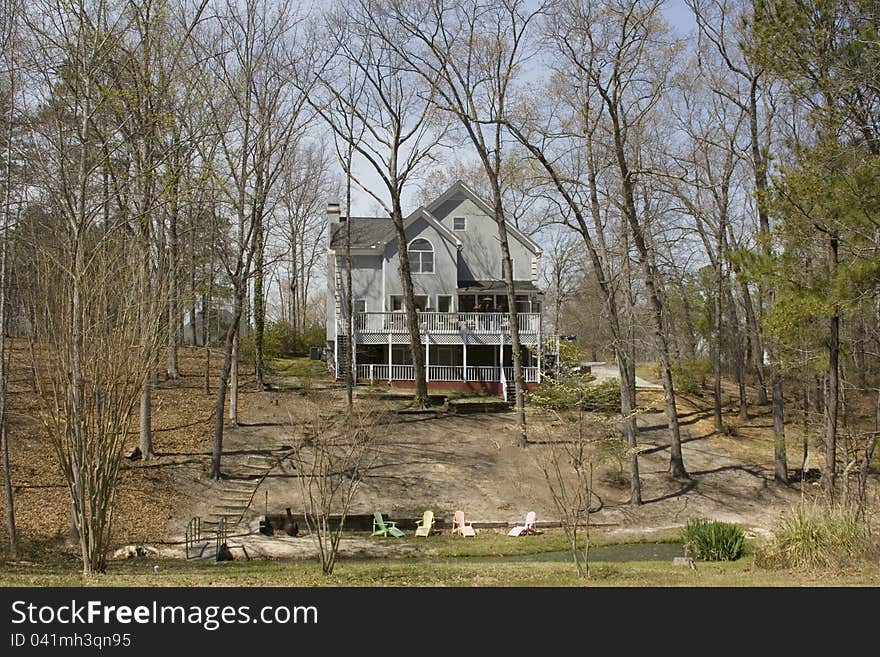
(425, 526)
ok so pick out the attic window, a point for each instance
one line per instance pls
(459, 223)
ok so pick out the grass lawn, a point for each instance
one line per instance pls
(440, 561)
(300, 367)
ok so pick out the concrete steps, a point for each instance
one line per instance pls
(234, 501)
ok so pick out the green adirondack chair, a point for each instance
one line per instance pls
(385, 527)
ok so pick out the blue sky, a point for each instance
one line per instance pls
(677, 14)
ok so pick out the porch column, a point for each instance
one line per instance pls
(390, 346)
(464, 360)
(501, 355)
(502, 378)
(540, 350)
(427, 358)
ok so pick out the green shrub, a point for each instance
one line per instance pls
(281, 341)
(811, 536)
(690, 376)
(577, 391)
(712, 540)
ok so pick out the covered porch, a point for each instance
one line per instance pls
(477, 367)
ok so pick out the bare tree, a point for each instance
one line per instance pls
(305, 185)
(561, 276)
(622, 47)
(568, 462)
(471, 52)
(723, 26)
(370, 105)
(332, 453)
(8, 91)
(102, 327)
(255, 111)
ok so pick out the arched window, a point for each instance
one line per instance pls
(421, 257)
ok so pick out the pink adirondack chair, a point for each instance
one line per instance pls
(528, 528)
(459, 526)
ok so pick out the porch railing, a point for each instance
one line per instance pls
(436, 323)
(475, 373)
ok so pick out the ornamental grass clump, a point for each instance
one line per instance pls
(812, 536)
(712, 540)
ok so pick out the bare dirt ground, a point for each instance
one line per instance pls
(448, 462)
(436, 460)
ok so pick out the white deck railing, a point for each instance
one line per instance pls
(395, 322)
(476, 373)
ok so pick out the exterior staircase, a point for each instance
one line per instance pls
(510, 392)
(245, 473)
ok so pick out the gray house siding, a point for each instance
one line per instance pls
(366, 281)
(444, 280)
(480, 257)
(330, 302)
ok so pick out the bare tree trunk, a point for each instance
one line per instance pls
(412, 317)
(831, 401)
(174, 304)
(779, 453)
(871, 439)
(225, 369)
(507, 264)
(259, 305)
(10, 500)
(736, 353)
(4, 438)
(233, 384)
(146, 428)
(676, 461)
(806, 429)
(350, 374)
(717, 329)
(4, 265)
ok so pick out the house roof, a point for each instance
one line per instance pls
(458, 187)
(365, 232)
(478, 287)
(369, 232)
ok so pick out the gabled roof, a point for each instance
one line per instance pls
(366, 232)
(458, 187)
(422, 213)
(372, 232)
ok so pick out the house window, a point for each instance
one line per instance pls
(360, 305)
(422, 302)
(421, 257)
(512, 268)
(459, 223)
(444, 303)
